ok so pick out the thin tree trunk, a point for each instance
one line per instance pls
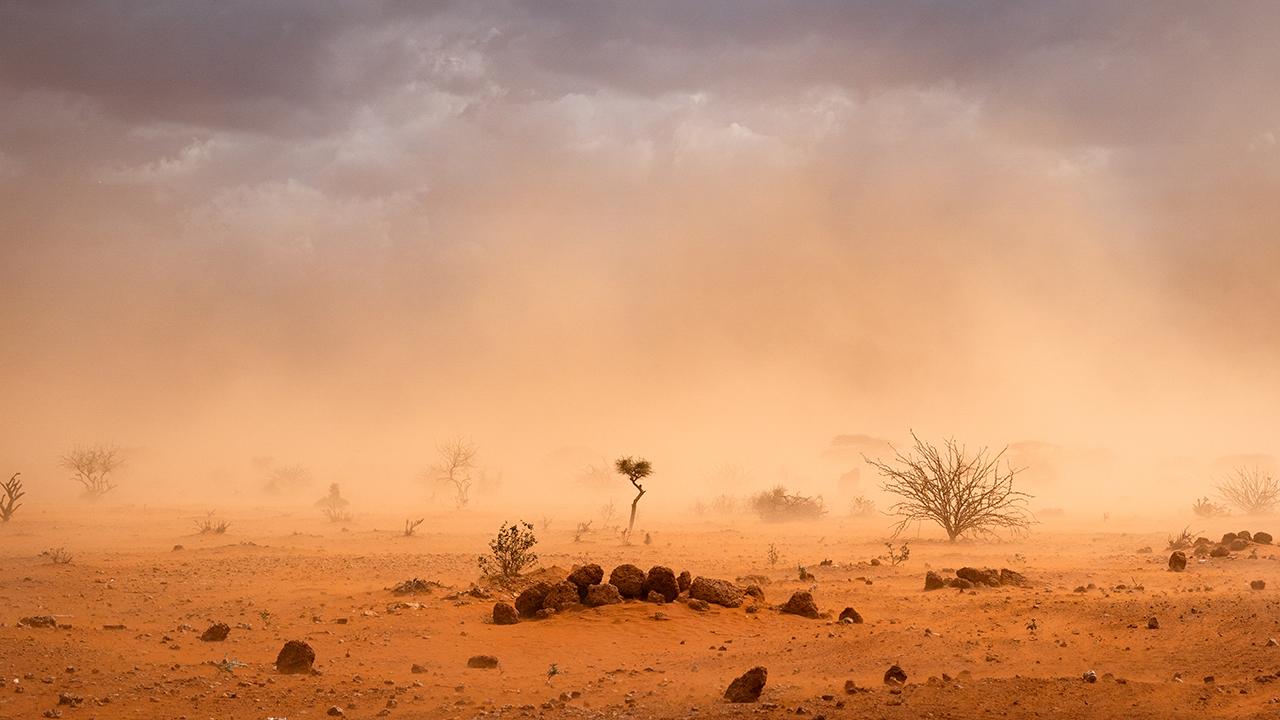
(632, 523)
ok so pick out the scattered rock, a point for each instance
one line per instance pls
(415, 586)
(850, 616)
(417, 669)
(335, 711)
(529, 601)
(606, 594)
(801, 603)
(217, 632)
(683, 580)
(1178, 561)
(629, 580)
(1220, 551)
(1258, 585)
(961, 584)
(985, 576)
(38, 621)
(70, 700)
(718, 592)
(1153, 623)
(482, 662)
(1244, 535)
(545, 613)
(699, 605)
(747, 687)
(1227, 538)
(1238, 544)
(584, 576)
(662, 580)
(1010, 577)
(933, 581)
(1089, 676)
(505, 614)
(562, 596)
(1145, 550)
(655, 597)
(895, 676)
(1262, 538)
(295, 657)
(754, 591)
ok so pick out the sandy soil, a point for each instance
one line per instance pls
(276, 577)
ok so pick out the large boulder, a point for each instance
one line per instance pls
(629, 580)
(718, 592)
(529, 602)
(1220, 551)
(747, 687)
(1178, 561)
(934, 581)
(801, 603)
(849, 616)
(895, 675)
(584, 576)
(296, 657)
(561, 596)
(505, 614)
(684, 579)
(604, 594)
(1011, 577)
(217, 632)
(1262, 538)
(1238, 544)
(662, 580)
(1244, 535)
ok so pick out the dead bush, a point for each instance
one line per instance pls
(1205, 508)
(334, 506)
(13, 492)
(92, 468)
(778, 505)
(1251, 491)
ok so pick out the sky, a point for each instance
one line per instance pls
(712, 233)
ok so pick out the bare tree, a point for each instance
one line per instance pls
(1250, 490)
(964, 494)
(457, 461)
(411, 526)
(634, 470)
(13, 492)
(92, 467)
(287, 478)
(334, 506)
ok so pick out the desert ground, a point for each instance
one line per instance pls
(131, 606)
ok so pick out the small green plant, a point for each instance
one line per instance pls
(896, 555)
(12, 494)
(772, 555)
(510, 552)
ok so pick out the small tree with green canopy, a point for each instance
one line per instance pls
(635, 470)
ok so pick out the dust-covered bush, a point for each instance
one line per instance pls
(13, 492)
(92, 468)
(334, 506)
(1206, 508)
(778, 505)
(862, 507)
(1250, 490)
(510, 552)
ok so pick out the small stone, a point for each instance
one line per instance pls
(1258, 585)
(295, 657)
(335, 711)
(1153, 623)
(217, 632)
(801, 603)
(1178, 561)
(605, 594)
(505, 614)
(849, 616)
(699, 605)
(1089, 676)
(895, 676)
(933, 581)
(482, 662)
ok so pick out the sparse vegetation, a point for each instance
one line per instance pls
(411, 526)
(92, 468)
(510, 552)
(287, 478)
(13, 492)
(545, 523)
(804, 574)
(1251, 491)
(1183, 540)
(209, 526)
(1206, 508)
(608, 514)
(582, 529)
(453, 472)
(634, 470)
(772, 555)
(862, 507)
(896, 555)
(334, 506)
(57, 556)
(778, 505)
(963, 493)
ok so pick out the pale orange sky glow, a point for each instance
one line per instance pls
(711, 233)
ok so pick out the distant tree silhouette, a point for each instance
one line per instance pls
(635, 470)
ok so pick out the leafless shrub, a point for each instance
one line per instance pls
(57, 556)
(777, 505)
(962, 493)
(334, 506)
(209, 526)
(545, 522)
(608, 514)
(1251, 490)
(13, 492)
(454, 470)
(1184, 539)
(92, 467)
(862, 507)
(772, 555)
(1205, 508)
(287, 478)
(896, 555)
(582, 529)
(411, 526)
